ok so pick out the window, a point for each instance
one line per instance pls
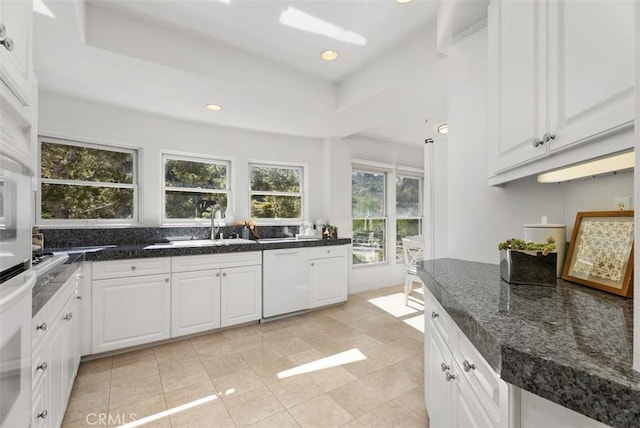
(408, 209)
(369, 216)
(192, 186)
(276, 192)
(86, 182)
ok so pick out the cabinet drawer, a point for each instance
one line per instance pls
(215, 261)
(132, 267)
(484, 381)
(328, 251)
(439, 319)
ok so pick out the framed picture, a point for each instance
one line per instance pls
(601, 251)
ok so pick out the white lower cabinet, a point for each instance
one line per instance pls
(195, 302)
(55, 353)
(328, 281)
(240, 295)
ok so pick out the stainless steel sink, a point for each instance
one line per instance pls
(200, 243)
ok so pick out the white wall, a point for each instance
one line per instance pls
(479, 216)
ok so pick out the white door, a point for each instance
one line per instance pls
(195, 302)
(517, 84)
(591, 68)
(468, 410)
(130, 311)
(15, 65)
(240, 295)
(285, 281)
(328, 281)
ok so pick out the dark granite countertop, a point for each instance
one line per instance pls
(569, 344)
(48, 284)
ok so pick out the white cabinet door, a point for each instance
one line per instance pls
(57, 388)
(437, 390)
(195, 302)
(130, 311)
(536, 411)
(71, 332)
(591, 68)
(328, 281)
(517, 84)
(286, 281)
(240, 295)
(469, 413)
(16, 65)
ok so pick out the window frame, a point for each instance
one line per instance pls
(420, 217)
(135, 185)
(303, 191)
(385, 210)
(217, 160)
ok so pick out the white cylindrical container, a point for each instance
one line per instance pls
(539, 233)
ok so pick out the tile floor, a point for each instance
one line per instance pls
(356, 365)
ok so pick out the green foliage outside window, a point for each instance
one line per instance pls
(368, 210)
(276, 192)
(408, 210)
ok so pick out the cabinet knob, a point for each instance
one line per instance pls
(467, 366)
(68, 316)
(81, 275)
(434, 315)
(536, 142)
(3, 32)
(312, 264)
(548, 137)
(444, 367)
(43, 366)
(42, 415)
(133, 268)
(79, 297)
(166, 280)
(449, 376)
(224, 274)
(42, 326)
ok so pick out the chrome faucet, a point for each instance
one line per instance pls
(214, 209)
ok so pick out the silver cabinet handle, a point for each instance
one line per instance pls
(79, 297)
(548, 137)
(449, 376)
(42, 415)
(68, 316)
(133, 268)
(42, 326)
(312, 264)
(166, 280)
(535, 142)
(3, 32)
(218, 275)
(80, 275)
(467, 366)
(444, 367)
(43, 366)
(224, 274)
(434, 315)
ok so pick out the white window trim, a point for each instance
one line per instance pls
(228, 162)
(375, 168)
(88, 223)
(303, 192)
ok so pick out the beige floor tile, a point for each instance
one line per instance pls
(90, 381)
(242, 333)
(290, 346)
(132, 357)
(279, 420)
(357, 398)
(217, 366)
(237, 382)
(252, 406)
(390, 415)
(409, 344)
(208, 339)
(294, 390)
(134, 371)
(278, 335)
(133, 392)
(214, 415)
(175, 346)
(321, 411)
(179, 378)
(412, 367)
(272, 371)
(331, 378)
(190, 394)
(215, 349)
(361, 341)
(413, 402)
(390, 382)
(98, 365)
(304, 357)
(82, 405)
(353, 424)
(147, 408)
(260, 354)
(170, 364)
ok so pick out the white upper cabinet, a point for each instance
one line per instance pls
(560, 75)
(16, 16)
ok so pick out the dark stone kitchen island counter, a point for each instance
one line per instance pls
(569, 344)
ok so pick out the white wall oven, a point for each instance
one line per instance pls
(16, 282)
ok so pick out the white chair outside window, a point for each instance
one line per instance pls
(412, 251)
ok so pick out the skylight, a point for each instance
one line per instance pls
(300, 20)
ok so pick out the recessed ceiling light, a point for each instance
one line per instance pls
(329, 55)
(403, 1)
(213, 107)
(443, 128)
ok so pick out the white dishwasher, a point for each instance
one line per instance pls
(285, 281)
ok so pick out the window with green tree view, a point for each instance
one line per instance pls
(369, 216)
(408, 209)
(192, 186)
(82, 182)
(276, 192)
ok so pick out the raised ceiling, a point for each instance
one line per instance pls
(173, 57)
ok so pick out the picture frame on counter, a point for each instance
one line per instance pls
(601, 251)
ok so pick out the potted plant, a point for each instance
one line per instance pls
(528, 262)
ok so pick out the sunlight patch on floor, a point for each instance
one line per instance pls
(416, 322)
(346, 357)
(393, 304)
(170, 412)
